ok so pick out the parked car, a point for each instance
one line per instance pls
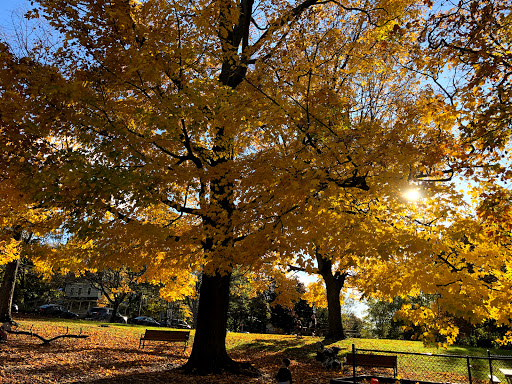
(178, 323)
(55, 310)
(104, 314)
(144, 320)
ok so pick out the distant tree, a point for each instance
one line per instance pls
(303, 311)
(143, 299)
(7, 289)
(26, 230)
(244, 313)
(259, 309)
(285, 312)
(248, 314)
(114, 284)
(381, 316)
(483, 335)
(282, 319)
(353, 323)
(34, 288)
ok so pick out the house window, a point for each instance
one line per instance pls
(79, 291)
(89, 292)
(71, 291)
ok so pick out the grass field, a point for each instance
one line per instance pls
(111, 355)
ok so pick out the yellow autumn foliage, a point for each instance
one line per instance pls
(9, 250)
(178, 287)
(315, 295)
(210, 136)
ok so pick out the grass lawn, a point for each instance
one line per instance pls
(111, 355)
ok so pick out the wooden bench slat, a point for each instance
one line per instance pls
(180, 335)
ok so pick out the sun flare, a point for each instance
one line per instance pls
(412, 194)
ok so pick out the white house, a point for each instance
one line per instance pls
(80, 296)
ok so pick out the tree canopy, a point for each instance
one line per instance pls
(190, 136)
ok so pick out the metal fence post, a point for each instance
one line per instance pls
(490, 366)
(469, 369)
(354, 363)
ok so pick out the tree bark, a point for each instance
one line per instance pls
(115, 307)
(209, 352)
(7, 290)
(333, 284)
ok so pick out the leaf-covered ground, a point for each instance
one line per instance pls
(111, 355)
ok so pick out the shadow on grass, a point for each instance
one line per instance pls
(294, 348)
(270, 345)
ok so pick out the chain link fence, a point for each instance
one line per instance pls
(440, 368)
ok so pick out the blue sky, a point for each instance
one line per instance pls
(6, 9)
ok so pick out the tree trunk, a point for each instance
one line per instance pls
(115, 307)
(333, 283)
(7, 290)
(209, 350)
(333, 288)
(209, 353)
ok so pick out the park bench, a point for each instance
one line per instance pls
(164, 335)
(352, 333)
(378, 361)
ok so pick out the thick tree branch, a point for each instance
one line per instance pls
(48, 341)
(288, 18)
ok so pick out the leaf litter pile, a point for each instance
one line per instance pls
(111, 355)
